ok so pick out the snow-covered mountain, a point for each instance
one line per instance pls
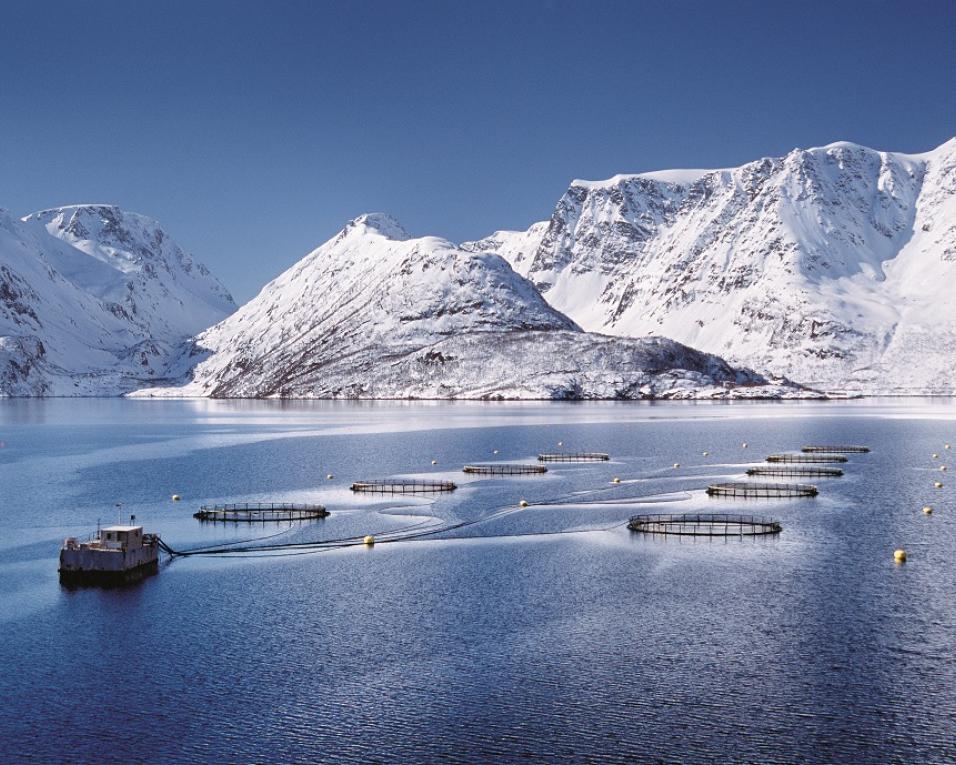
(96, 301)
(375, 313)
(833, 266)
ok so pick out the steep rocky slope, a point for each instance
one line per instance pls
(831, 266)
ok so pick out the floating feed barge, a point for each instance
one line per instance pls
(744, 490)
(114, 555)
(786, 471)
(256, 512)
(574, 457)
(850, 449)
(705, 525)
(806, 458)
(502, 468)
(403, 486)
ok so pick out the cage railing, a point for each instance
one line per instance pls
(574, 457)
(705, 524)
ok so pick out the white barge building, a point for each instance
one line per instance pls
(116, 554)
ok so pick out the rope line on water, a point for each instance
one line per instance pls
(407, 533)
(230, 547)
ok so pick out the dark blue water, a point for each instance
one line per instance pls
(549, 634)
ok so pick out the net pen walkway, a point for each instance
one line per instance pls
(574, 457)
(705, 525)
(403, 486)
(252, 512)
(501, 468)
(849, 449)
(806, 458)
(786, 471)
(745, 490)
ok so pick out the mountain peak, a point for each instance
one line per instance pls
(675, 177)
(380, 223)
(96, 301)
(843, 145)
(106, 224)
(104, 211)
(827, 265)
(945, 149)
(145, 266)
(366, 316)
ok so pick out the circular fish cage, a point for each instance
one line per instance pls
(849, 449)
(504, 469)
(574, 457)
(256, 512)
(785, 471)
(402, 486)
(806, 458)
(744, 490)
(705, 525)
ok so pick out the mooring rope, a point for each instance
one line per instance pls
(230, 549)
(189, 551)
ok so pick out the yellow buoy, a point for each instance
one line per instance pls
(615, 480)
(938, 484)
(899, 556)
(176, 498)
(927, 510)
(369, 540)
(676, 464)
(523, 503)
(329, 477)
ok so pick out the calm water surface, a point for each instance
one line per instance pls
(549, 634)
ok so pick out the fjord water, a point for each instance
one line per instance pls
(546, 634)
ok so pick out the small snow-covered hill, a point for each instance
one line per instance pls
(375, 313)
(833, 266)
(96, 301)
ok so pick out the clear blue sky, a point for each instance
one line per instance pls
(253, 131)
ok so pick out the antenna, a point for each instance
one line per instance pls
(119, 509)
